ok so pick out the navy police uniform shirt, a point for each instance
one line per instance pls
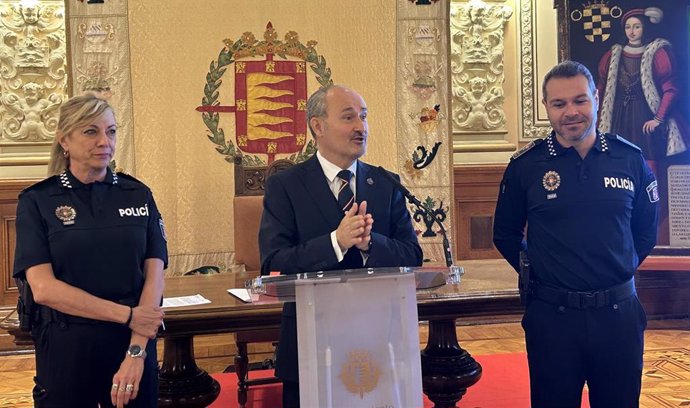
(590, 222)
(96, 236)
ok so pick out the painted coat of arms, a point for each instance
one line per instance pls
(270, 97)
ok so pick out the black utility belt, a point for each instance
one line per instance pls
(583, 300)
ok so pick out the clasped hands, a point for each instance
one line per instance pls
(355, 228)
(146, 320)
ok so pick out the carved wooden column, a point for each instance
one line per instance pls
(447, 370)
(181, 384)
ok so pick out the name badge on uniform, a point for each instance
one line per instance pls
(66, 214)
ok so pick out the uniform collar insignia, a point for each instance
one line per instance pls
(67, 179)
(110, 177)
(553, 147)
(601, 143)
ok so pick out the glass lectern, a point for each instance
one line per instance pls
(358, 335)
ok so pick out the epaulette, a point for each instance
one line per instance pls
(623, 141)
(41, 183)
(524, 149)
(128, 177)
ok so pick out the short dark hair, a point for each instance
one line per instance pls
(316, 105)
(568, 69)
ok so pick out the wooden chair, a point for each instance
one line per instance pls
(248, 202)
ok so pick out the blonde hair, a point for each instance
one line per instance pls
(76, 112)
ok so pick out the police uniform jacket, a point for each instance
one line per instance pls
(96, 236)
(590, 222)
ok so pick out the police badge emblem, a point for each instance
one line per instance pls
(551, 181)
(66, 214)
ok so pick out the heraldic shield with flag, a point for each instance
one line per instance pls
(270, 97)
(270, 104)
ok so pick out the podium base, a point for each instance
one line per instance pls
(181, 384)
(447, 369)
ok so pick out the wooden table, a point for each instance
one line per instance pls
(487, 288)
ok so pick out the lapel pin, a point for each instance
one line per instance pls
(370, 181)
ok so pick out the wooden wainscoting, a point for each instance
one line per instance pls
(475, 191)
(663, 286)
(9, 191)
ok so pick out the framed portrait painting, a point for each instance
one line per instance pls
(637, 51)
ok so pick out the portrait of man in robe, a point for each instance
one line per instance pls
(638, 53)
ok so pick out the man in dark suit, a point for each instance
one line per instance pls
(314, 218)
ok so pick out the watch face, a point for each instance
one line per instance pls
(134, 350)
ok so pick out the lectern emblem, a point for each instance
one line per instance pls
(360, 374)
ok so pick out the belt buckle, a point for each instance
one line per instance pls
(588, 300)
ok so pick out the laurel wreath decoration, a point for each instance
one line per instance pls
(249, 46)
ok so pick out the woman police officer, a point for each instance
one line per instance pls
(92, 246)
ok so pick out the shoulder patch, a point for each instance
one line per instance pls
(128, 177)
(524, 149)
(623, 141)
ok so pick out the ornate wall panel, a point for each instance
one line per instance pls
(477, 61)
(537, 54)
(33, 79)
(423, 127)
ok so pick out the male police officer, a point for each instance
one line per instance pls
(590, 203)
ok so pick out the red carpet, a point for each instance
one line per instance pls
(504, 384)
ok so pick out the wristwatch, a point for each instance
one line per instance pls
(136, 351)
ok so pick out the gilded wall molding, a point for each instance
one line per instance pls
(33, 76)
(531, 129)
(477, 33)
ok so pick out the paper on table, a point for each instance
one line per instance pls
(243, 295)
(185, 301)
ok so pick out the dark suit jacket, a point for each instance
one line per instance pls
(300, 211)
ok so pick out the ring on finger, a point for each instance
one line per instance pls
(129, 387)
(115, 387)
(122, 388)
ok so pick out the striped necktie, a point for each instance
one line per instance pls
(345, 195)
